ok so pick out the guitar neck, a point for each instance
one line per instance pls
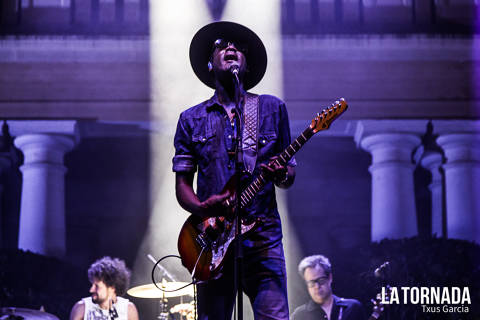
(249, 193)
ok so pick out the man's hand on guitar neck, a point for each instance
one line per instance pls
(281, 175)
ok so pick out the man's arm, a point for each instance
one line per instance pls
(189, 201)
(132, 312)
(78, 311)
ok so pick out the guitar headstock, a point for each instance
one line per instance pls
(378, 303)
(323, 119)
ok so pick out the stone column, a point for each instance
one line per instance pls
(393, 198)
(433, 162)
(42, 213)
(462, 184)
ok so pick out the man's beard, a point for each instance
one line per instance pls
(97, 300)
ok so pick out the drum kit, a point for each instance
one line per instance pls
(11, 313)
(164, 290)
(184, 311)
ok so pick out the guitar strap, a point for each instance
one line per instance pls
(250, 132)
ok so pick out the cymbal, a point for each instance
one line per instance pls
(25, 313)
(151, 291)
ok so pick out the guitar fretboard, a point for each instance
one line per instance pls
(249, 193)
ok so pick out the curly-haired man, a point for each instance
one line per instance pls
(110, 279)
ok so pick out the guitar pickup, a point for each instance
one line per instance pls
(202, 240)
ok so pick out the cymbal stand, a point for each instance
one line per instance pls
(163, 306)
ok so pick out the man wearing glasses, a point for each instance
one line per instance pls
(316, 270)
(231, 59)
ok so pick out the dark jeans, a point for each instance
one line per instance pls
(264, 281)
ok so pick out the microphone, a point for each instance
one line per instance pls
(234, 70)
(379, 272)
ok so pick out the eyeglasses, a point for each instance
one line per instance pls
(320, 281)
(222, 44)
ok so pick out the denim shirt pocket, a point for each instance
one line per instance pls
(266, 145)
(205, 147)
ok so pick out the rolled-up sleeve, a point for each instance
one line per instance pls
(183, 161)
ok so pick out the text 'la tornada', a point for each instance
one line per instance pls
(426, 295)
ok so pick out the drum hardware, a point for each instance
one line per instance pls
(185, 310)
(12, 313)
(151, 291)
(164, 290)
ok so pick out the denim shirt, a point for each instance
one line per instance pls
(205, 141)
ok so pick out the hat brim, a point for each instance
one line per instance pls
(201, 50)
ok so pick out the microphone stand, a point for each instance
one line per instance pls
(237, 270)
(384, 274)
(387, 281)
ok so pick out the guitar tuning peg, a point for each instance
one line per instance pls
(337, 102)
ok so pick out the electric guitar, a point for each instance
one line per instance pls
(203, 242)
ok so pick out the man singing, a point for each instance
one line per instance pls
(207, 141)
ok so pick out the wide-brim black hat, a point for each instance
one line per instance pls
(202, 45)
